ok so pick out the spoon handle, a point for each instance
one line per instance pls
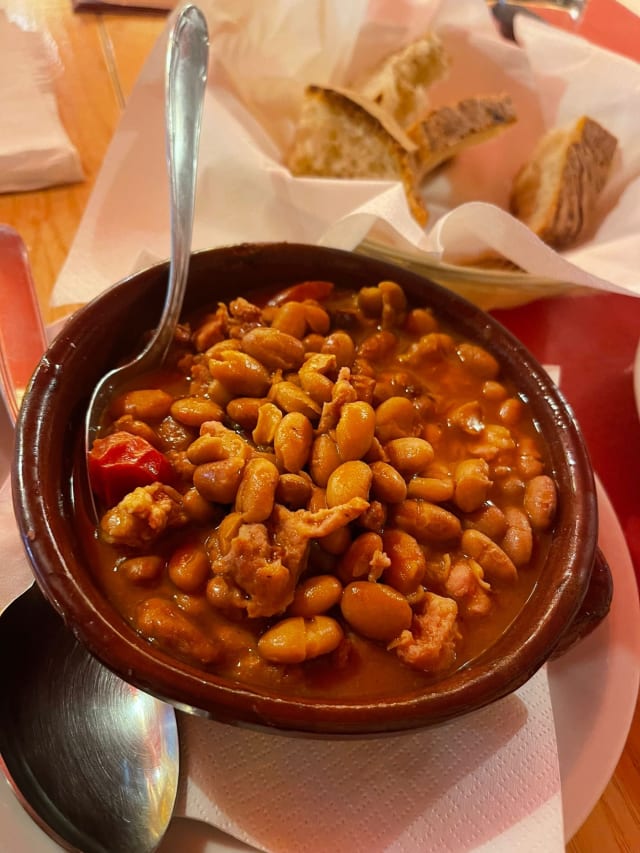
(186, 78)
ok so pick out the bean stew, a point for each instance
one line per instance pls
(330, 493)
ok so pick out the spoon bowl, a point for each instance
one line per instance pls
(74, 736)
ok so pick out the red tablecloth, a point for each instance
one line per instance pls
(606, 23)
(594, 338)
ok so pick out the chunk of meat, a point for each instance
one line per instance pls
(430, 643)
(264, 561)
(143, 515)
(162, 621)
(343, 392)
(467, 585)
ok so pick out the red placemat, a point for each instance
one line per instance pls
(594, 339)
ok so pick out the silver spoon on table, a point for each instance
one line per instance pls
(91, 758)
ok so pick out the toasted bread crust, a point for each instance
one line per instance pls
(556, 191)
(447, 131)
(338, 136)
(400, 82)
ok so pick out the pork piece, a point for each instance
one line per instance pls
(143, 515)
(466, 584)
(265, 561)
(162, 621)
(342, 392)
(430, 643)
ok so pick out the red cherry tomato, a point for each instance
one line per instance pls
(121, 462)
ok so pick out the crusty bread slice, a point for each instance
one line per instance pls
(399, 84)
(449, 130)
(556, 191)
(341, 135)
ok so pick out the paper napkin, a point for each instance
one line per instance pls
(35, 151)
(487, 782)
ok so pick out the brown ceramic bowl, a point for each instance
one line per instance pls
(50, 496)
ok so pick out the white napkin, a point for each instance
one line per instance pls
(35, 151)
(487, 782)
(261, 57)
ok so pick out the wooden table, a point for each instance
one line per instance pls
(95, 59)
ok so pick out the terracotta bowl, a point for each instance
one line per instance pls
(50, 492)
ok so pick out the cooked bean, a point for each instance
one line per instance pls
(142, 569)
(207, 448)
(324, 459)
(292, 441)
(364, 558)
(410, 455)
(269, 417)
(198, 508)
(510, 411)
(292, 398)
(240, 373)
(495, 563)
(420, 321)
(291, 319)
(387, 484)
(274, 349)
(478, 360)
(313, 378)
(313, 342)
(244, 411)
(530, 462)
(494, 391)
(375, 610)
(396, 418)
(336, 542)
(370, 301)
(426, 521)
(256, 491)
(488, 519)
(145, 404)
(540, 501)
(472, 484)
(227, 531)
(294, 490)
(355, 430)
(194, 411)
(407, 562)
(173, 435)
(349, 480)
(219, 481)
(297, 639)
(317, 317)
(219, 393)
(188, 567)
(316, 595)
(432, 489)
(518, 538)
(342, 346)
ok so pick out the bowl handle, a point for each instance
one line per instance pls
(595, 606)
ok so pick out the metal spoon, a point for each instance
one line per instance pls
(91, 758)
(187, 60)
